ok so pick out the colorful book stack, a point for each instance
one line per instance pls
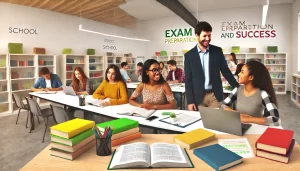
(72, 138)
(124, 130)
(15, 63)
(218, 157)
(194, 138)
(43, 63)
(275, 144)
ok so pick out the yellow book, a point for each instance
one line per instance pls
(71, 128)
(194, 138)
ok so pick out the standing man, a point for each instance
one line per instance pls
(123, 70)
(202, 67)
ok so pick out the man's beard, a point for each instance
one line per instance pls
(202, 43)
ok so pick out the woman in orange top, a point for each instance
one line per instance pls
(113, 88)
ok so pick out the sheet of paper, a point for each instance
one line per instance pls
(239, 146)
(183, 119)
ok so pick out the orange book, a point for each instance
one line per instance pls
(126, 139)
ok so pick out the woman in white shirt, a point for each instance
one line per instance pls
(232, 63)
(164, 71)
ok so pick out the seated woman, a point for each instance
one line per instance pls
(81, 86)
(156, 92)
(256, 99)
(113, 88)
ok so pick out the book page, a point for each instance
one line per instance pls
(96, 102)
(46, 92)
(164, 152)
(132, 155)
(143, 112)
(240, 147)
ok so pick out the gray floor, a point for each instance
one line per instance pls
(18, 146)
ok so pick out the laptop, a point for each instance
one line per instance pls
(68, 90)
(223, 120)
(133, 77)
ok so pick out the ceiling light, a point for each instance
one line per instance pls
(103, 34)
(265, 12)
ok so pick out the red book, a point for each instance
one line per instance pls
(277, 157)
(275, 140)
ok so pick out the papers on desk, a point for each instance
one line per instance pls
(182, 120)
(46, 92)
(239, 146)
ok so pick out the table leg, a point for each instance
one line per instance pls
(181, 101)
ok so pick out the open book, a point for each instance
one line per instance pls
(135, 111)
(141, 155)
(90, 100)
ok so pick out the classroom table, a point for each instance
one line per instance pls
(111, 111)
(176, 88)
(89, 161)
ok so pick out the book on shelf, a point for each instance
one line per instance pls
(71, 128)
(194, 138)
(136, 111)
(71, 155)
(275, 140)
(218, 157)
(74, 140)
(277, 157)
(118, 125)
(156, 155)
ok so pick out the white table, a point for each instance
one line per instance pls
(111, 111)
(176, 88)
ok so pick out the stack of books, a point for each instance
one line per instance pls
(275, 144)
(72, 138)
(124, 130)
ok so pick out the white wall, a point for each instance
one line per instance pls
(278, 15)
(57, 31)
(295, 38)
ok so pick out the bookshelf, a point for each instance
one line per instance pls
(117, 60)
(95, 70)
(295, 90)
(276, 63)
(179, 61)
(69, 62)
(5, 98)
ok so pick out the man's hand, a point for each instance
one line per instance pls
(47, 89)
(192, 107)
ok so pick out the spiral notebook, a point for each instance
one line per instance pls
(182, 120)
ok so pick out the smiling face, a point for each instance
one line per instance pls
(154, 72)
(204, 38)
(244, 77)
(111, 74)
(78, 75)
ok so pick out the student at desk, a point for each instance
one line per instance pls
(81, 86)
(113, 87)
(156, 92)
(47, 81)
(256, 99)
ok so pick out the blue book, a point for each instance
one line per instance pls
(218, 157)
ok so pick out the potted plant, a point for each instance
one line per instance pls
(173, 117)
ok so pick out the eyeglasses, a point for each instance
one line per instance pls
(155, 70)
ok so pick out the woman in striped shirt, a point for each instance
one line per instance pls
(255, 99)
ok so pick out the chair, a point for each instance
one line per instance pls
(37, 111)
(59, 113)
(19, 103)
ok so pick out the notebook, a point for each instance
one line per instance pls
(218, 157)
(157, 155)
(182, 120)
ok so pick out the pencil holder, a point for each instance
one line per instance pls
(81, 101)
(103, 146)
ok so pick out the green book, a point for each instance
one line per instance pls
(74, 140)
(118, 125)
(272, 49)
(235, 49)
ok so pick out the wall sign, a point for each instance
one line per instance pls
(179, 36)
(240, 29)
(109, 47)
(17, 30)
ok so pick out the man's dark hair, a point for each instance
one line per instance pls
(44, 71)
(202, 26)
(171, 62)
(124, 64)
(140, 64)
